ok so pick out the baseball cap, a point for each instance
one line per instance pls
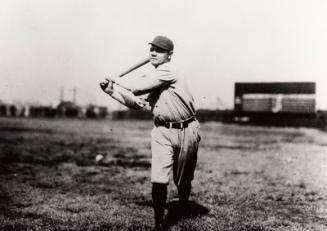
(163, 42)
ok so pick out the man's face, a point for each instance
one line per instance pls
(159, 56)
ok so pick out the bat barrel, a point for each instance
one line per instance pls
(143, 62)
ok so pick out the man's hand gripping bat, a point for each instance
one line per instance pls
(107, 85)
(122, 95)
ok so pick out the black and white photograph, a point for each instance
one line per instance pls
(181, 115)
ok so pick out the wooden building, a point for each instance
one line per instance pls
(276, 103)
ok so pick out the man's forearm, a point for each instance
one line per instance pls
(126, 97)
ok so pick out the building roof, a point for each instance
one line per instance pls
(275, 88)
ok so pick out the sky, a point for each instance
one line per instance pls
(48, 45)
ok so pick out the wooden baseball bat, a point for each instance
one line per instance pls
(132, 68)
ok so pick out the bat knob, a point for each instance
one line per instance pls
(104, 85)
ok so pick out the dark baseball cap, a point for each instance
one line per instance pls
(163, 42)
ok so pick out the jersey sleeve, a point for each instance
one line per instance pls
(139, 85)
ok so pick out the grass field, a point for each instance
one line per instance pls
(247, 177)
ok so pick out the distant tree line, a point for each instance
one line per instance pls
(71, 110)
(64, 109)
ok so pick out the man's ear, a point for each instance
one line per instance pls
(170, 53)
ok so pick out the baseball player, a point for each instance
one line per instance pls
(175, 135)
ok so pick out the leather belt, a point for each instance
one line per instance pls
(176, 125)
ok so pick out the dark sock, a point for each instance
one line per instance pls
(159, 197)
(184, 192)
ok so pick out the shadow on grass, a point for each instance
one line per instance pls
(177, 213)
(5, 200)
(22, 129)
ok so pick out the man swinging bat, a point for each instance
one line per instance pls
(175, 135)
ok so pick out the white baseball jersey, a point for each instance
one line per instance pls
(169, 98)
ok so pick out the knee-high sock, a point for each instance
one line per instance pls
(159, 197)
(184, 192)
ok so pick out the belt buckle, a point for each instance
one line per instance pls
(178, 125)
(168, 125)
